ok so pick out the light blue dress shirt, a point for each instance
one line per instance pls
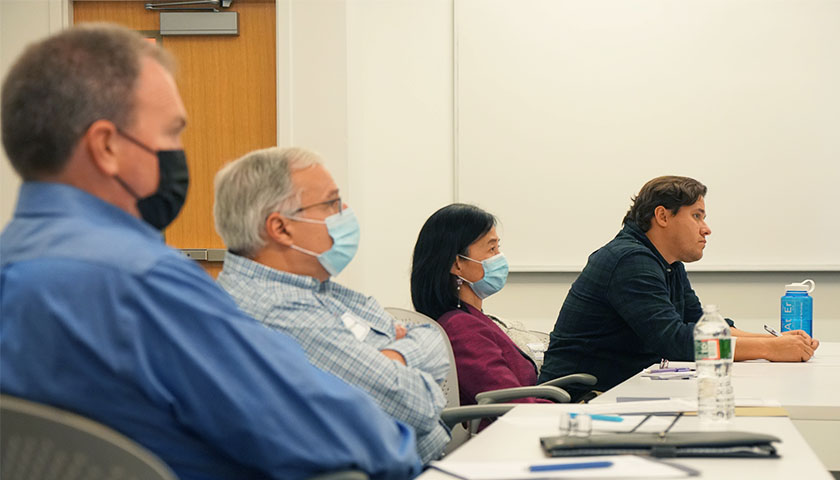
(343, 332)
(101, 318)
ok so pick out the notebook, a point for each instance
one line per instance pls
(677, 444)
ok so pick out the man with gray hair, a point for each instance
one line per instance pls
(287, 232)
(100, 317)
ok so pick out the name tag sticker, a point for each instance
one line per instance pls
(357, 326)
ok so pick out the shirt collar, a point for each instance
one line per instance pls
(632, 229)
(47, 199)
(245, 266)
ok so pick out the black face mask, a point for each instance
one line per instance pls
(160, 208)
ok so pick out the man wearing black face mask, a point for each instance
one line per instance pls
(100, 317)
(161, 208)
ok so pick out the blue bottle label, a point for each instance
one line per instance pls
(797, 311)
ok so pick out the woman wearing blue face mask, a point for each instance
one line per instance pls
(458, 263)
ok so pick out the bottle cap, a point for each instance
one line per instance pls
(802, 286)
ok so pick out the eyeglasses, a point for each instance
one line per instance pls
(335, 206)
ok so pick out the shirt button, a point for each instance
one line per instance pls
(668, 270)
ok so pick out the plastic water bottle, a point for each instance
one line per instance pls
(713, 354)
(798, 307)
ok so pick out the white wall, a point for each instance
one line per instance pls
(400, 117)
(606, 94)
(386, 131)
(399, 163)
(21, 22)
(368, 83)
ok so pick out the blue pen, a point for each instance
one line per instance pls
(665, 370)
(606, 418)
(568, 466)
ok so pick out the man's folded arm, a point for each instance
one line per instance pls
(424, 348)
(404, 392)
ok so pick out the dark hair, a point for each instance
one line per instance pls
(448, 232)
(670, 191)
(62, 84)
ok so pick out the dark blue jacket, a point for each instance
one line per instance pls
(628, 309)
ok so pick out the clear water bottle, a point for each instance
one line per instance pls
(713, 354)
(798, 307)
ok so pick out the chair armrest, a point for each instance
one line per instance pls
(454, 415)
(555, 394)
(575, 378)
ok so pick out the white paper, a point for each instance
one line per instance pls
(649, 406)
(756, 402)
(623, 466)
(690, 404)
(670, 375)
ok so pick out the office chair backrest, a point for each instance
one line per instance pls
(44, 443)
(450, 383)
(531, 342)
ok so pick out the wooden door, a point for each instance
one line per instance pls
(228, 84)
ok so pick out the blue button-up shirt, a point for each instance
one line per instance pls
(628, 309)
(101, 318)
(343, 332)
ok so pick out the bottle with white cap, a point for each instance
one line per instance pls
(798, 307)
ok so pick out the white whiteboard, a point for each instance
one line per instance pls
(565, 108)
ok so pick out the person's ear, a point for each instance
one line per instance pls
(456, 267)
(661, 215)
(100, 140)
(276, 228)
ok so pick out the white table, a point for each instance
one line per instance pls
(809, 391)
(515, 437)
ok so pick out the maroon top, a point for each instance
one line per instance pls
(485, 357)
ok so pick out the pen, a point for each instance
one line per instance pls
(771, 331)
(664, 370)
(606, 418)
(568, 466)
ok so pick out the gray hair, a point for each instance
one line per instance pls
(61, 85)
(249, 189)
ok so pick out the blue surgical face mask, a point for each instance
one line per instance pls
(495, 275)
(344, 231)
